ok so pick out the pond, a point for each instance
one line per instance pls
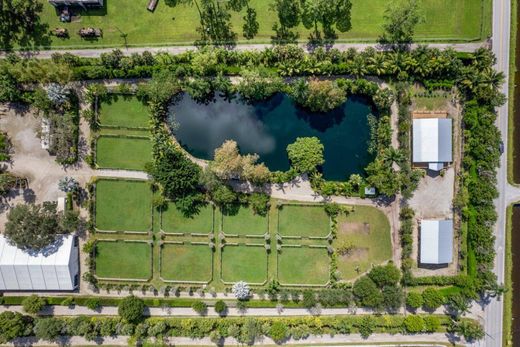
(266, 128)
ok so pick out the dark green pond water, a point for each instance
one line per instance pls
(266, 128)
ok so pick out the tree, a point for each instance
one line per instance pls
(200, 307)
(251, 25)
(414, 324)
(328, 13)
(401, 18)
(48, 329)
(13, 325)
(385, 275)
(220, 307)
(392, 297)
(471, 330)
(250, 331)
(278, 331)
(68, 185)
(432, 299)
(9, 89)
(366, 326)
(33, 304)
(19, 22)
(366, 293)
(131, 309)
(309, 299)
(241, 290)
(288, 12)
(318, 95)
(414, 300)
(259, 202)
(34, 227)
(306, 154)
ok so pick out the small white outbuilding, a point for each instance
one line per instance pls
(432, 142)
(436, 241)
(55, 268)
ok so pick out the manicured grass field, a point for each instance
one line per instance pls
(124, 111)
(132, 260)
(244, 263)
(123, 205)
(174, 221)
(303, 265)
(129, 23)
(189, 263)
(302, 220)
(244, 222)
(129, 153)
(367, 229)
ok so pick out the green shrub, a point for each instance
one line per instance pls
(93, 303)
(220, 307)
(68, 301)
(414, 300)
(33, 304)
(413, 324)
(131, 309)
(385, 275)
(48, 329)
(278, 331)
(366, 326)
(432, 298)
(200, 307)
(13, 325)
(309, 298)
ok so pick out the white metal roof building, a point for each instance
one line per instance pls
(55, 268)
(432, 142)
(436, 241)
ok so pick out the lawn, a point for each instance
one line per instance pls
(244, 263)
(303, 220)
(174, 221)
(367, 231)
(123, 205)
(130, 153)
(186, 263)
(124, 111)
(132, 260)
(129, 23)
(307, 266)
(243, 221)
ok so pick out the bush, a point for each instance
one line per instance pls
(309, 299)
(432, 298)
(220, 308)
(385, 275)
(366, 326)
(33, 304)
(366, 293)
(93, 303)
(278, 331)
(131, 309)
(413, 324)
(200, 307)
(414, 300)
(48, 329)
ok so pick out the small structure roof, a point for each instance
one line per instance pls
(432, 140)
(436, 241)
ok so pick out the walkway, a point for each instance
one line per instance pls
(94, 53)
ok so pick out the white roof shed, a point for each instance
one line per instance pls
(432, 141)
(54, 268)
(436, 241)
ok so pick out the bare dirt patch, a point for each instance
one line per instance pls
(348, 228)
(356, 254)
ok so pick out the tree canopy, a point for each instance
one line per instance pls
(401, 18)
(306, 154)
(131, 309)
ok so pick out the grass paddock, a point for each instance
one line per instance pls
(244, 263)
(186, 263)
(123, 205)
(124, 111)
(303, 220)
(241, 220)
(307, 266)
(130, 153)
(174, 221)
(131, 260)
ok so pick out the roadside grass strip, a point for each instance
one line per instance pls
(186, 263)
(366, 231)
(241, 220)
(244, 263)
(174, 221)
(123, 205)
(303, 266)
(123, 260)
(303, 221)
(124, 111)
(123, 152)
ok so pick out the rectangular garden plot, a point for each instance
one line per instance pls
(241, 220)
(124, 111)
(174, 221)
(123, 260)
(303, 266)
(362, 239)
(186, 263)
(123, 152)
(303, 220)
(123, 205)
(244, 263)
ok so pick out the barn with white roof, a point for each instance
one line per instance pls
(436, 241)
(432, 142)
(55, 268)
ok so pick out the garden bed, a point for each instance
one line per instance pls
(123, 260)
(123, 205)
(244, 263)
(186, 263)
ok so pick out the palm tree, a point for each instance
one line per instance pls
(358, 66)
(377, 64)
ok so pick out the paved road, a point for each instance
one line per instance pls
(92, 53)
(494, 312)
